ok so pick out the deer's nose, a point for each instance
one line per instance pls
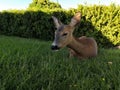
(54, 47)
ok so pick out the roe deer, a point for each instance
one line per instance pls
(82, 47)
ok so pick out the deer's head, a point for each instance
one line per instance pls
(63, 34)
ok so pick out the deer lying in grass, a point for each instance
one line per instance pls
(82, 47)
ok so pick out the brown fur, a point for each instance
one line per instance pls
(82, 47)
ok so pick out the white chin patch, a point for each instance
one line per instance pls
(56, 50)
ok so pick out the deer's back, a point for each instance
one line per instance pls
(89, 45)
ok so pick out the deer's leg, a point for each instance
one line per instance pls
(72, 53)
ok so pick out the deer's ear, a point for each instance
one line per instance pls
(76, 19)
(57, 22)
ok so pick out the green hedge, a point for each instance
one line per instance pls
(100, 22)
(106, 23)
(29, 24)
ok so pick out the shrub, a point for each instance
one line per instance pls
(100, 22)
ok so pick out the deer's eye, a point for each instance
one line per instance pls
(64, 34)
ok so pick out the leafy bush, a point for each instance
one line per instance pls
(100, 22)
(105, 20)
(43, 4)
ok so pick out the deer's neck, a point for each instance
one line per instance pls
(76, 45)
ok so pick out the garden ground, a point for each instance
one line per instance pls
(29, 64)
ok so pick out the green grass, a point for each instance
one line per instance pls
(28, 64)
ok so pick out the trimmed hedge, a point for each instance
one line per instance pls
(100, 22)
(106, 20)
(29, 24)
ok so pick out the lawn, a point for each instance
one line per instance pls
(29, 64)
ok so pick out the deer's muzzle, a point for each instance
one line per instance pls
(55, 47)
